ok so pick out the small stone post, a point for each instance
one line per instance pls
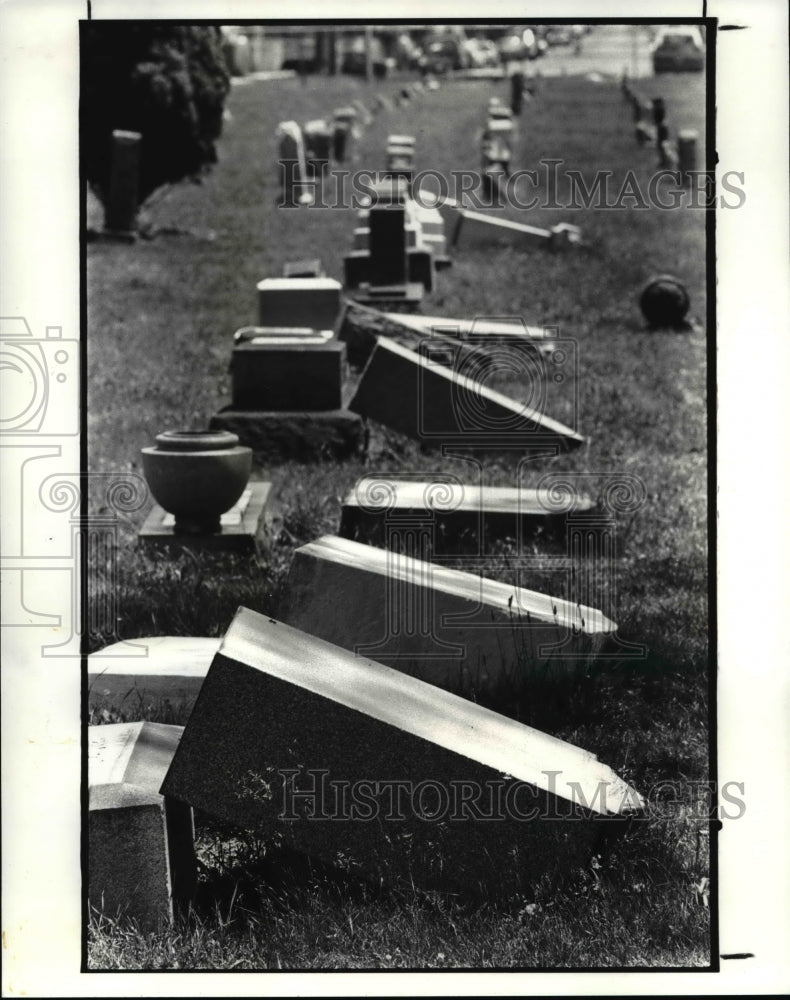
(120, 214)
(687, 153)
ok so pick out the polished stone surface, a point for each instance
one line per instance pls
(284, 717)
(425, 399)
(461, 631)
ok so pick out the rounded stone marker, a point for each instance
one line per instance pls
(664, 302)
(197, 476)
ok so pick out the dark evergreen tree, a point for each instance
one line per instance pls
(166, 82)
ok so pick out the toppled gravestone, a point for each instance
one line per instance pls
(369, 769)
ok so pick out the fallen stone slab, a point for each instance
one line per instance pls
(309, 436)
(431, 402)
(478, 228)
(163, 672)
(458, 517)
(362, 325)
(316, 720)
(490, 329)
(141, 857)
(476, 637)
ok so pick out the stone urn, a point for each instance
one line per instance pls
(197, 476)
(664, 302)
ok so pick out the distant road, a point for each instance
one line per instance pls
(609, 49)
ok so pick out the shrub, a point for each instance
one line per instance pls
(167, 82)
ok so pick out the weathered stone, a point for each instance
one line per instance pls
(387, 225)
(458, 517)
(121, 208)
(491, 330)
(318, 141)
(312, 268)
(246, 529)
(299, 302)
(288, 373)
(464, 633)
(361, 239)
(409, 392)
(291, 333)
(364, 115)
(401, 140)
(304, 437)
(141, 859)
(284, 718)
(687, 153)
(292, 165)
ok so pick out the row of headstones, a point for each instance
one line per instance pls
(305, 152)
(320, 700)
(399, 242)
(287, 377)
(496, 154)
(414, 723)
(305, 684)
(680, 155)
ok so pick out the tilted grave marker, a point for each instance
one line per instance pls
(476, 227)
(429, 401)
(459, 517)
(285, 721)
(460, 631)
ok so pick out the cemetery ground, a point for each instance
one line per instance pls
(161, 317)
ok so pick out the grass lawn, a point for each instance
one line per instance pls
(161, 317)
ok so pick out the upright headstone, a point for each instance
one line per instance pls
(292, 165)
(316, 720)
(299, 302)
(516, 92)
(318, 139)
(287, 376)
(141, 859)
(388, 264)
(687, 153)
(121, 207)
(288, 373)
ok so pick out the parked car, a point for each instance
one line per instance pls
(679, 50)
(559, 34)
(442, 53)
(353, 59)
(482, 52)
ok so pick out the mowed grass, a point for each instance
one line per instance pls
(161, 318)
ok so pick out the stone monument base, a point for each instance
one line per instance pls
(301, 436)
(244, 530)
